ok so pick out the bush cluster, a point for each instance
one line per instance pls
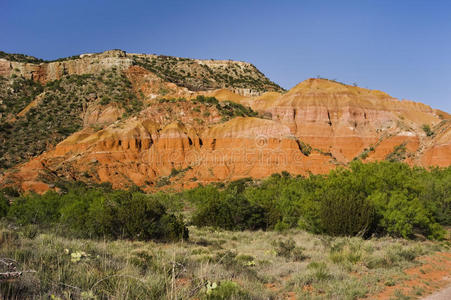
(385, 198)
(364, 199)
(227, 109)
(20, 58)
(288, 249)
(398, 154)
(427, 129)
(97, 213)
(228, 209)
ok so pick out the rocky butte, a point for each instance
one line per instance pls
(159, 122)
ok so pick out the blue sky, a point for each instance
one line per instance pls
(402, 47)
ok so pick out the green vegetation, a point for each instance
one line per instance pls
(227, 209)
(64, 58)
(227, 109)
(59, 113)
(427, 129)
(399, 154)
(166, 180)
(15, 95)
(196, 76)
(185, 72)
(306, 149)
(213, 264)
(365, 153)
(288, 249)
(20, 58)
(171, 100)
(175, 172)
(345, 235)
(70, 238)
(203, 105)
(86, 212)
(366, 199)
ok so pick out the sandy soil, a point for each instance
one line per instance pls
(434, 274)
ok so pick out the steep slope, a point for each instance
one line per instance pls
(153, 153)
(42, 102)
(37, 117)
(200, 75)
(351, 122)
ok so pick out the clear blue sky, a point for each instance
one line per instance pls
(402, 47)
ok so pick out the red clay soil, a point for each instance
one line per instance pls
(432, 275)
(276, 288)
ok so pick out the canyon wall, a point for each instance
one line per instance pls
(179, 143)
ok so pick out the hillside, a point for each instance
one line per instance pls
(195, 74)
(36, 117)
(160, 122)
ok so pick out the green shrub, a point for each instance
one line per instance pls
(105, 100)
(20, 58)
(225, 209)
(305, 148)
(227, 109)
(225, 290)
(207, 100)
(347, 250)
(367, 199)
(163, 181)
(316, 272)
(344, 208)
(4, 206)
(288, 249)
(435, 194)
(36, 209)
(123, 214)
(97, 213)
(398, 154)
(427, 129)
(403, 215)
(202, 77)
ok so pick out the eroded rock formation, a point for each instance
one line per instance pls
(314, 127)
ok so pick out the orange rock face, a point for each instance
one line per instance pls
(337, 122)
(89, 63)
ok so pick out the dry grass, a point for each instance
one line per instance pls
(211, 265)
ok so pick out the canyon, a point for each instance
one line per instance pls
(204, 121)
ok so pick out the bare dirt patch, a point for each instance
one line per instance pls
(432, 275)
